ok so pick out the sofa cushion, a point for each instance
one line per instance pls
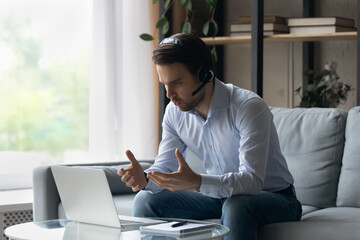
(331, 223)
(312, 141)
(349, 182)
(308, 209)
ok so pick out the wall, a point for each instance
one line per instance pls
(283, 61)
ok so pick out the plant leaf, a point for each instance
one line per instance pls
(211, 4)
(166, 27)
(213, 29)
(206, 28)
(155, 1)
(167, 5)
(298, 90)
(161, 22)
(188, 5)
(182, 2)
(146, 37)
(322, 83)
(214, 54)
(186, 27)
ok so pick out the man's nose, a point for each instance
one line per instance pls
(169, 92)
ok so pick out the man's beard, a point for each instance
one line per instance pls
(185, 107)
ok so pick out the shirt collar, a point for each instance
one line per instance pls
(220, 97)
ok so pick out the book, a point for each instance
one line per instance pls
(183, 230)
(267, 27)
(266, 33)
(321, 21)
(267, 19)
(320, 29)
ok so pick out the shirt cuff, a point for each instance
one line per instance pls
(210, 185)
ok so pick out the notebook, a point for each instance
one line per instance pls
(86, 197)
(183, 230)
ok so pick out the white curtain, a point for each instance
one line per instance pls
(122, 108)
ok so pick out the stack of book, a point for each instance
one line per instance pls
(272, 25)
(320, 25)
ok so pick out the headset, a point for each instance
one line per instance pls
(206, 75)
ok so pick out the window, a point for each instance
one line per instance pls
(45, 49)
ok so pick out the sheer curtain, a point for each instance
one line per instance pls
(122, 103)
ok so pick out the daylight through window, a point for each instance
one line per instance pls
(45, 49)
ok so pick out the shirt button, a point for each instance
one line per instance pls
(210, 146)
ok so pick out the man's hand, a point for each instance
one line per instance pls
(134, 175)
(183, 178)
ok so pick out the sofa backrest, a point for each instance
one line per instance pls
(312, 141)
(349, 182)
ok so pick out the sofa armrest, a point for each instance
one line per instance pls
(46, 196)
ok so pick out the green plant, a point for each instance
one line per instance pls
(209, 29)
(325, 89)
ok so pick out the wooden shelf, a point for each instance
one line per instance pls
(283, 38)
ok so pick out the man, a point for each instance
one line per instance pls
(247, 182)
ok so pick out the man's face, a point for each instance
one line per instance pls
(179, 84)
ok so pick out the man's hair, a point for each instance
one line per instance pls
(192, 52)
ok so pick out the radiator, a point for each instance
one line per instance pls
(10, 218)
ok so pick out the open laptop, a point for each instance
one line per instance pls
(86, 197)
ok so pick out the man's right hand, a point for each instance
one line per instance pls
(134, 175)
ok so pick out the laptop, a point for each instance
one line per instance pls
(86, 197)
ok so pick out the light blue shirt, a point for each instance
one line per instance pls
(237, 143)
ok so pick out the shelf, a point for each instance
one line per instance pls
(283, 38)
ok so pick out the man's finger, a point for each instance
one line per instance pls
(130, 182)
(180, 158)
(156, 180)
(166, 182)
(125, 177)
(131, 157)
(121, 172)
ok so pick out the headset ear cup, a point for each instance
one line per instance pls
(210, 76)
(206, 76)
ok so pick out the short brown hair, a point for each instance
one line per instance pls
(189, 50)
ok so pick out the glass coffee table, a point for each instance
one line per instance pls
(68, 230)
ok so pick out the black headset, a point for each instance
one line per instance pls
(206, 75)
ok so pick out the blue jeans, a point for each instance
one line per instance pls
(243, 214)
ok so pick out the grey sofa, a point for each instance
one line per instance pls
(322, 148)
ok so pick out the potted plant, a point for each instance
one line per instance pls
(325, 89)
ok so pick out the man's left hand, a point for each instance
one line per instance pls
(183, 178)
